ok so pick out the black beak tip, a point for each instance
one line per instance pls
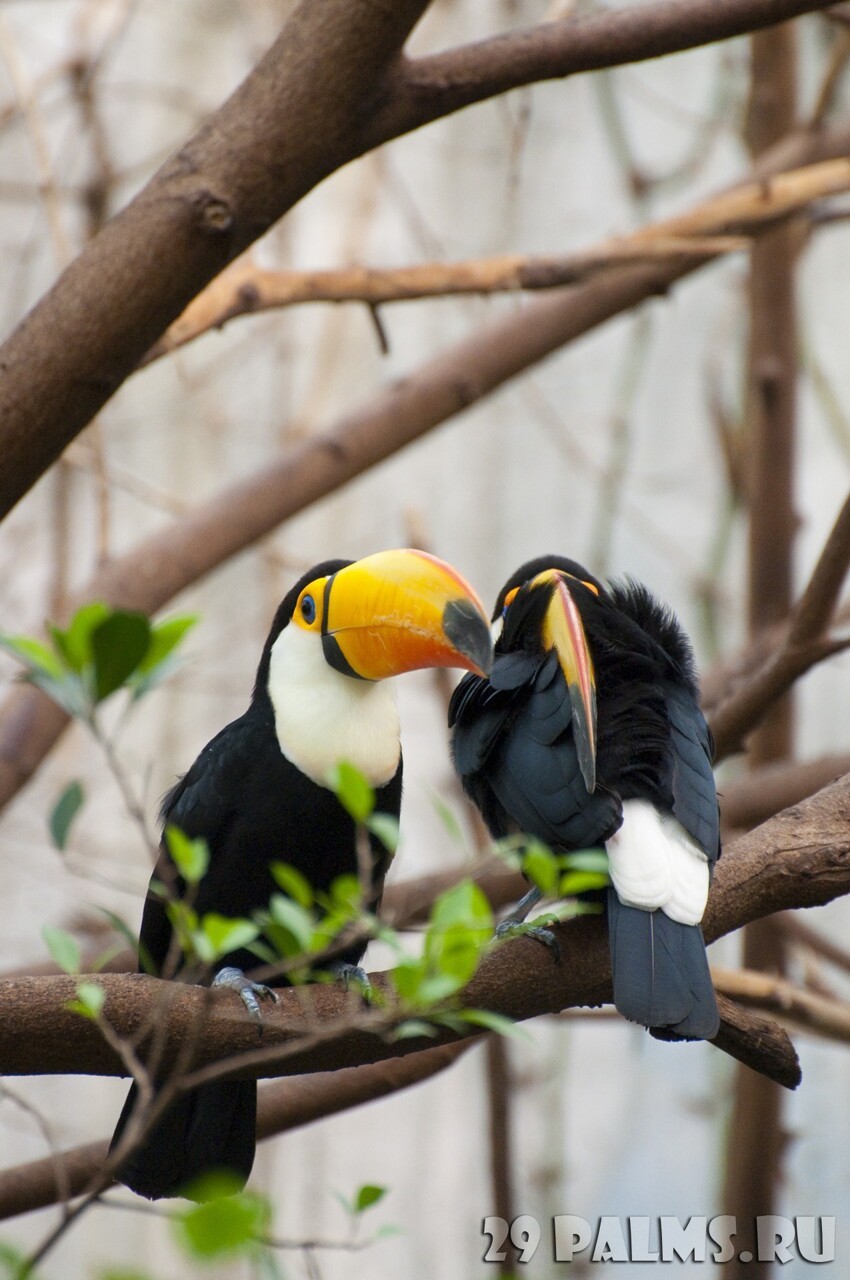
(467, 630)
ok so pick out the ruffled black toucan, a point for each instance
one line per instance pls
(259, 792)
(588, 732)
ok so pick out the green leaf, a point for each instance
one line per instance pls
(352, 790)
(219, 935)
(33, 654)
(540, 866)
(64, 948)
(164, 639)
(296, 926)
(293, 883)
(346, 896)
(64, 811)
(190, 857)
(124, 931)
(454, 952)
(465, 903)
(448, 817)
(494, 1022)
(412, 1029)
(573, 882)
(368, 1195)
(585, 860)
(184, 922)
(228, 1224)
(385, 828)
(75, 643)
(90, 1000)
(118, 644)
(160, 659)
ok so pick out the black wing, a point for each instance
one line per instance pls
(693, 785)
(514, 750)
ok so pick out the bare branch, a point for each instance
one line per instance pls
(435, 86)
(718, 226)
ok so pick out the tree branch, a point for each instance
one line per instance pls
(331, 87)
(428, 88)
(719, 225)
(184, 551)
(281, 1107)
(799, 858)
(804, 643)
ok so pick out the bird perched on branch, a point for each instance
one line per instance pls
(588, 732)
(259, 792)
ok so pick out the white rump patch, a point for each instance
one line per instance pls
(323, 717)
(654, 863)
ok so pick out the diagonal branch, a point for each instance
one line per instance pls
(161, 565)
(332, 86)
(719, 225)
(804, 644)
(799, 858)
(430, 87)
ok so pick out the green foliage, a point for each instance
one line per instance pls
(219, 935)
(352, 790)
(564, 875)
(63, 948)
(101, 651)
(190, 857)
(364, 1198)
(224, 1222)
(89, 1002)
(64, 811)
(295, 885)
(459, 929)
(357, 797)
(129, 938)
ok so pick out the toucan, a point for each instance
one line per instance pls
(260, 792)
(587, 732)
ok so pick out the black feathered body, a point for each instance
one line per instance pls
(514, 751)
(253, 807)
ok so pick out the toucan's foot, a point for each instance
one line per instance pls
(512, 928)
(352, 975)
(250, 992)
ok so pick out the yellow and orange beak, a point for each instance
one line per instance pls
(397, 611)
(564, 632)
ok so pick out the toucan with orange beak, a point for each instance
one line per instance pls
(260, 792)
(586, 733)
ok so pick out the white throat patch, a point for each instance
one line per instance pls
(323, 717)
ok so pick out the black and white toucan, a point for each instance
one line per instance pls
(586, 733)
(259, 792)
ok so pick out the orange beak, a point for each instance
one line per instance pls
(397, 611)
(564, 632)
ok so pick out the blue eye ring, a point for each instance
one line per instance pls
(308, 610)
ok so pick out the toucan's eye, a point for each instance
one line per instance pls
(308, 609)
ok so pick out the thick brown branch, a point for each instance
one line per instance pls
(800, 858)
(435, 86)
(803, 644)
(827, 1017)
(293, 121)
(321, 96)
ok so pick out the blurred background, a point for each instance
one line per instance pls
(631, 450)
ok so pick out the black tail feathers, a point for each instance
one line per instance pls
(661, 976)
(212, 1128)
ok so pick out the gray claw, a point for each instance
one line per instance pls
(234, 980)
(352, 975)
(511, 928)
